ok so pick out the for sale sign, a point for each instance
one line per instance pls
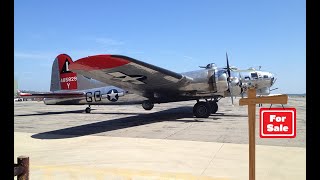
(277, 122)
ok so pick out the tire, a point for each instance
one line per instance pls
(214, 107)
(147, 105)
(88, 110)
(202, 110)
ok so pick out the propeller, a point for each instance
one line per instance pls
(241, 84)
(228, 79)
(272, 83)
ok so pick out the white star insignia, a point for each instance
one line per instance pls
(113, 95)
(125, 78)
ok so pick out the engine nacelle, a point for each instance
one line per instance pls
(221, 82)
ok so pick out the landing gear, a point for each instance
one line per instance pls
(88, 109)
(204, 109)
(214, 106)
(147, 105)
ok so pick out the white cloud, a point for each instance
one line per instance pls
(108, 42)
(74, 53)
(188, 57)
(33, 56)
(77, 54)
(135, 52)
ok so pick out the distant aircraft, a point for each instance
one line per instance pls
(207, 86)
(70, 88)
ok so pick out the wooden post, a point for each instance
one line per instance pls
(251, 101)
(21, 170)
(252, 139)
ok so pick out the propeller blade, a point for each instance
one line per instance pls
(240, 79)
(229, 81)
(228, 67)
(230, 90)
(231, 95)
(274, 81)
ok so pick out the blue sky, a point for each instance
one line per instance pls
(178, 35)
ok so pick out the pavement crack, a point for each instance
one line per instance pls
(212, 159)
(178, 131)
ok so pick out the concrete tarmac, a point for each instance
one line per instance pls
(127, 142)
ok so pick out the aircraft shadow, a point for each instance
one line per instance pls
(228, 115)
(49, 113)
(175, 114)
(69, 112)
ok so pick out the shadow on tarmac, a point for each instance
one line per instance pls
(175, 114)
(71, 112)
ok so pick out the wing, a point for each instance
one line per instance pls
(52, 95)
(128, 73)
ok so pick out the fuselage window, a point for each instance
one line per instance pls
(254, 75)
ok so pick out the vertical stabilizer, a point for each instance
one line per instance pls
(63, 79)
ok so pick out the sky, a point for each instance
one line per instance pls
(178, 35)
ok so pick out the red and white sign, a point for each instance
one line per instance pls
(278, 122)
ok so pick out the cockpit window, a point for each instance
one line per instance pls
(254, 75)
(265, 76)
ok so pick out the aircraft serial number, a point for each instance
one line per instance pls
(68, 79)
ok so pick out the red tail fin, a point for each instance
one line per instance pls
(68, 79)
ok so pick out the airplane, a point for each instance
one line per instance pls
(207, 85)
(70, 88)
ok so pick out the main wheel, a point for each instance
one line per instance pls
(202, 110)
(147, 105)
(88, 110)
(214, 106)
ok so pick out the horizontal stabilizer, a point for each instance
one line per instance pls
(52, 95)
